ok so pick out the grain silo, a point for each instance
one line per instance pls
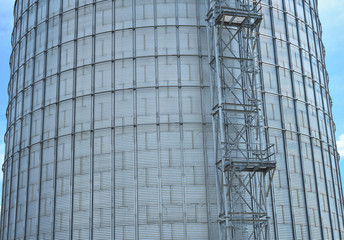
(116, 107)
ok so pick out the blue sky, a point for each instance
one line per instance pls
(5, 51)
(332, 17)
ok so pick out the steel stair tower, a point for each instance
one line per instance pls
(244, 159)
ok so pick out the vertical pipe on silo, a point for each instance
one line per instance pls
(135, 150)
(42, 116)
(31, 109)
(157, 119)
(91, 180)
(221, 126)
(21, 129)
(181, 127)
(212, 103)
(113, 139)
(56, 132)
(72, 162)
(203, 111)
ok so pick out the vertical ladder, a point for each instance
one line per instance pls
(244, 160)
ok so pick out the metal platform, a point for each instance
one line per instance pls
(251, 166)
(235, 17)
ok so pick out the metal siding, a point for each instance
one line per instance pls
(109, 132)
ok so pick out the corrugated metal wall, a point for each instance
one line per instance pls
(109, 129)
(113, 123)
(307, 194)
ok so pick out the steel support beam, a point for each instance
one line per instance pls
(243, 157)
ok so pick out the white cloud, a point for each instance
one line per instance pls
(340, 145)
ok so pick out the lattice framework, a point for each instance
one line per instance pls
(243, 156)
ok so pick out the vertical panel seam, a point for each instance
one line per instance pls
(31, 109)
